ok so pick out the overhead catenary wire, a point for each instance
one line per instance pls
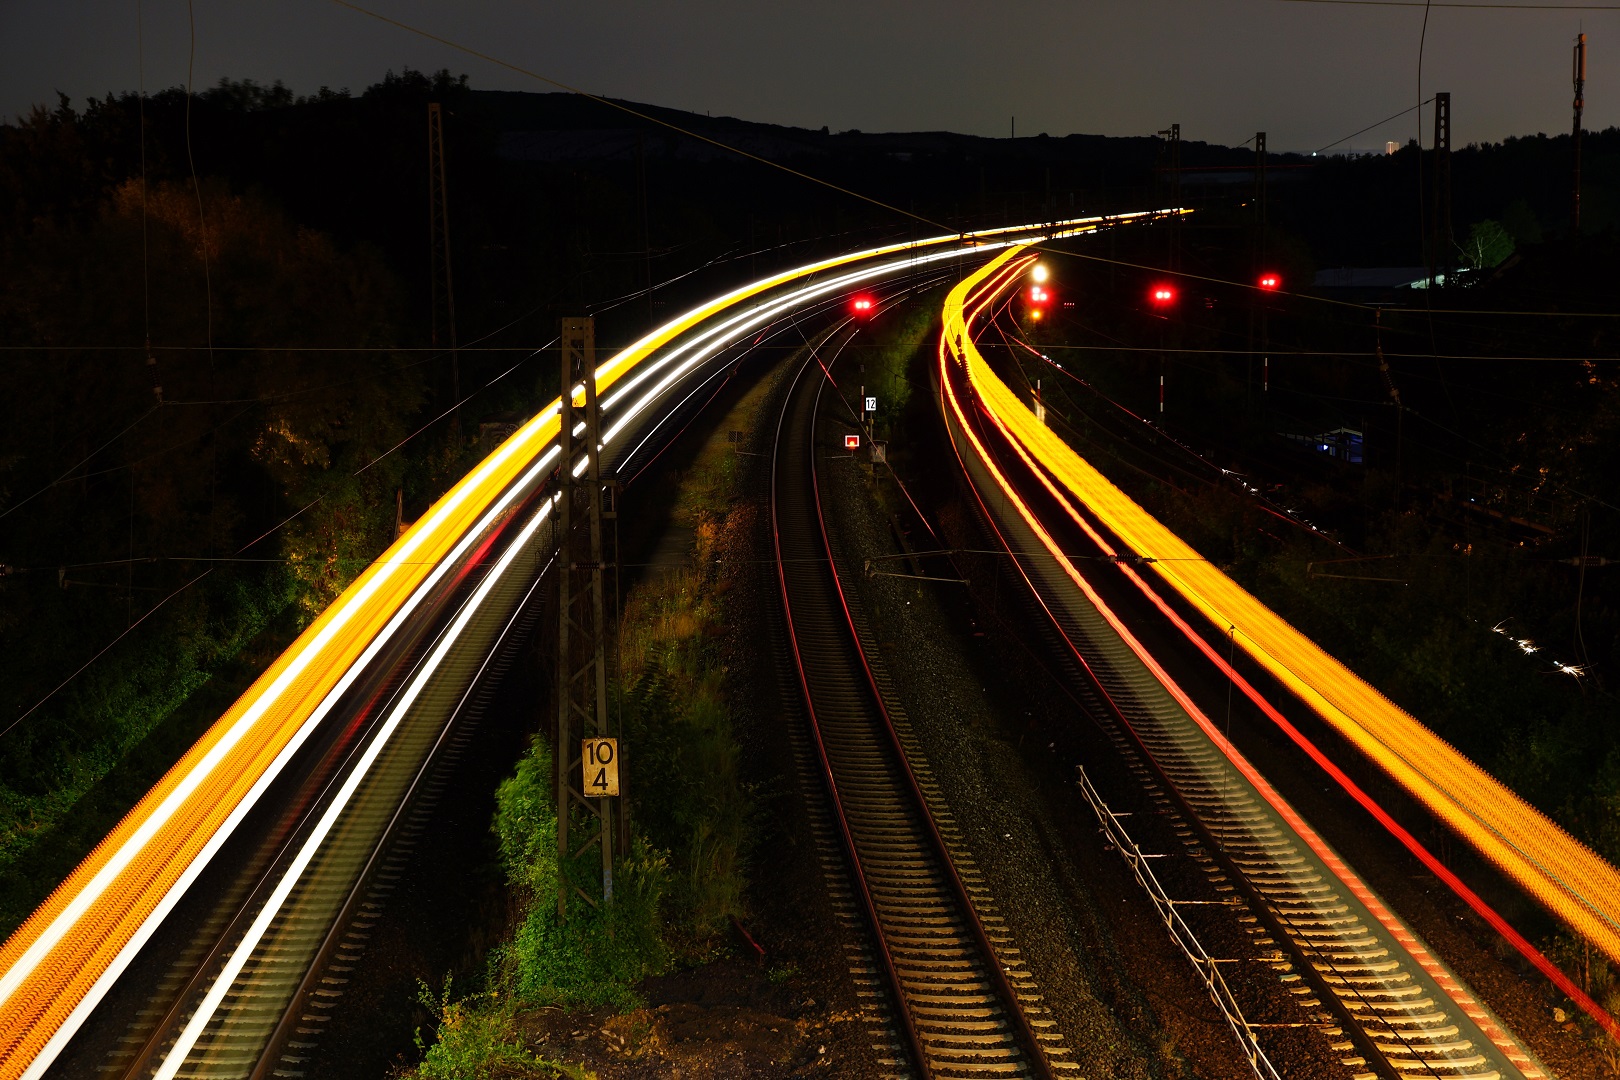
(245, 547)
(1188, 275)
(1370, 127)
(196, 186)
(1465, 4)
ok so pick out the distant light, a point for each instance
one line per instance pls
(1270, 281)
(852, 442)
(862, 305)
(1036, 315)
(1040, 273)
(1163, 294)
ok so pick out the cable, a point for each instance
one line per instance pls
(640, 115)
(5, 513)
(245, 547)
(1423, 37)
(202, 224)
(1369, 127)
(103, 651)
(146, 272)
(1461, 4)
(1189, 276)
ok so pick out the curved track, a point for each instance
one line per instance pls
(208, 933)
(1355, 964)
(965, 1006)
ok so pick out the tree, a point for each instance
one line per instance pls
(1488, 244)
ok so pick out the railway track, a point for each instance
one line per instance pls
(248, 996)
(1365, 979)
(964, 1003)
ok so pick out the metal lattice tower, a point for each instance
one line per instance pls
(1579, 74)
(1172, 134)
(1442, 249)
(444, 294)
(582, 627)
(1260, 187)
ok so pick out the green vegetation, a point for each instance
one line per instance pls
(1488, 245)
(600, 953)
(182, 464)
(477, 1040)
(693, 816)
(111, 709)
(1461, 595)
(195, 449)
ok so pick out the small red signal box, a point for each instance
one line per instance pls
(852, 442)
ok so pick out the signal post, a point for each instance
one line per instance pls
(587, 755)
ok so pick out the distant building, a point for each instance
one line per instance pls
(1372, 284)
(1341, 444)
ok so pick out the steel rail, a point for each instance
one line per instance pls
(63, 961)
(959, 1013)
(1223, 792)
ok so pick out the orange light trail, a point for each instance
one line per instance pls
(91, 924)
(1567, 877)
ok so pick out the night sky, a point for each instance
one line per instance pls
(1306, 73)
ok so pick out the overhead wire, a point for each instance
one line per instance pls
(250, 544)
(1370, 127)
(23, 502)
(1483, 6)
(532, 352)
(196, 186)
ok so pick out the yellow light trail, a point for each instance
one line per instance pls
(1570, 879)
(71, 947)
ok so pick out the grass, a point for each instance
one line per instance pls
(68, 774)
(693, 815)
(477, 1039)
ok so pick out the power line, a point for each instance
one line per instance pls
(268, 348)
(1346, 353)
(247, 546)
(1460, 4)
(7, 511)
(1369, 127)
(80, 670)
(640, 115)
(196, 186)
(1319, 299)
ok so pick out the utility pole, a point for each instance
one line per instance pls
(1260, 188)
(646, 233)
(1260, 219)
(583, 819)
(1441, 245)
(1173, 134)
(444, 295)
(1580, 106)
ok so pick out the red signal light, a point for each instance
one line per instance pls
(1270, 281)
(862, 305)
(1162, 295)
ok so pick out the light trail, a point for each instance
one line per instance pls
(1570, 879)
(60, 963)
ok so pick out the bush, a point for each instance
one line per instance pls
(600, 953)
(477, 1040)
